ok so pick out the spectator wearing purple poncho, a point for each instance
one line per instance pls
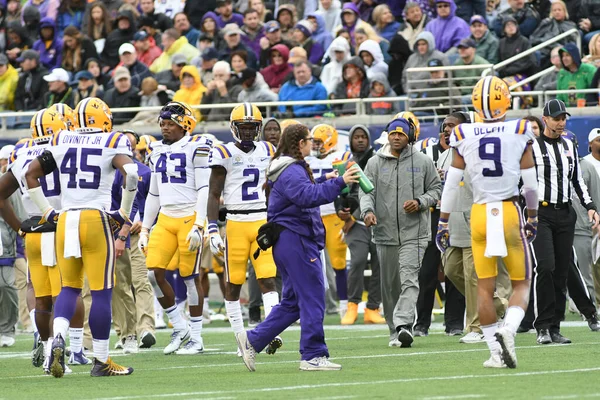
(447, 29)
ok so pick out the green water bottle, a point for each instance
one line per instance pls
(363, 181)
(340, 166)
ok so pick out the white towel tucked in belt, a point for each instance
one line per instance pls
(496, 243)
(72, 245)
(48, 249)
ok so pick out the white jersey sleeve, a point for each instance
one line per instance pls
(19, 164)
(492, 154)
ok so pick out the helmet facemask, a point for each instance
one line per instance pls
(246, 133)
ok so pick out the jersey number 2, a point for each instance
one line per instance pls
(249, 191)
(493, 155)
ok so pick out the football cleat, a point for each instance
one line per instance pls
(79, 359)
(274, 345)
(319, 364)
(177, 339)
(248, 352)
(130, 346)
(56, 363)
(507, 342)
(495, 361)
(109, 368)
(37, 354)
(148, 340)
(191, 347)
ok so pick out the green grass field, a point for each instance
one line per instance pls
(436, 367)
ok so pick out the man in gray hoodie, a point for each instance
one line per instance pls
(406, 185)
(423, 51)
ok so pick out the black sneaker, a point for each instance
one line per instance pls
(454, 332)
(558, 338)
(148, 340)
(544, 337)
(593, 323)
(405, 337)
(109, 368)
(420, 332)
(253, 316)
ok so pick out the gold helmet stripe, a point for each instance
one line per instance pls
(485, 97)
(82, 106)
(39, 129)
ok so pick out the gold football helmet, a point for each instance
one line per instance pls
(327, 135)
(411, 117)
(287, 122)
(491, 98)
(144, 142)
(249, 118)
(46, 123)
(180, 113)
(93, 113)
(67, 113)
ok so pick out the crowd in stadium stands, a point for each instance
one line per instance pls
(136, 52)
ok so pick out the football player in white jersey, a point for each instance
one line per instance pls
(496, 155)
(44, 275)
(86, 161)
(179, 190)
(238, 171)
(324, 153)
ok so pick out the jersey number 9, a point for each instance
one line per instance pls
(493, 144)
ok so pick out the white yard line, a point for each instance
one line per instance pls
(572, 396)
(239, 363)
(350, 384)
(459, 396)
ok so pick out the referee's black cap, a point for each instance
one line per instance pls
(554, 108)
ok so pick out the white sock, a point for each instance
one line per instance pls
(158, 310)
(75, 339)
(512, 319)
(100, 349)
(196, 323)
(489, 332)
(32, 318)
(181, 307)
(270, 300)
(46, 348)
(61, 325)
(234, 314)
(176, 318)
(206, 305)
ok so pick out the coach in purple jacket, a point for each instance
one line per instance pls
(293, 199)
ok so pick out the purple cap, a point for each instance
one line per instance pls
(272, 26)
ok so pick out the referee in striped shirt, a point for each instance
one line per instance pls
(557, 165)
